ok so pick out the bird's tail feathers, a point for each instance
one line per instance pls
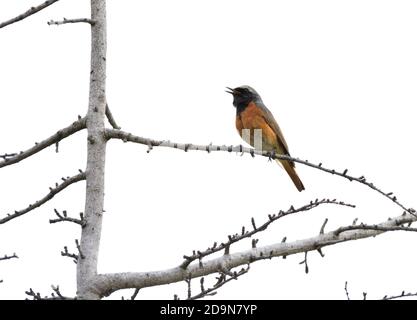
(293, 174)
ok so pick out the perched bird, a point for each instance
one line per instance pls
(262, 130)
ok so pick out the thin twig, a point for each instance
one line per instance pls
(57, 292)
(135, 293)
(402, 295)
(111, 119)
(373, 227)
(305, 262)
(323, 226)
(28, 13)
(34, 295)
(55, 295)
(320, 251)
(53, 191)
(61, 134)
(221, 281)
(63, 217)
(77, 244)
(66, 253)
(188, 282)
(126, 136)
(65, 21)
(248, 234)
(7, 155)
(346, 290)
(7, 257)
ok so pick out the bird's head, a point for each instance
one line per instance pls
(243, 95)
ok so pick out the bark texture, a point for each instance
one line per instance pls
(96, 155)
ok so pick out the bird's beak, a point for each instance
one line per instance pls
(231, 91)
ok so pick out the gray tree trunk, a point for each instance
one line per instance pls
(96, 155)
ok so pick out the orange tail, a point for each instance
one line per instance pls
(293, 175)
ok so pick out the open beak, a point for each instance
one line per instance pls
(231, 91)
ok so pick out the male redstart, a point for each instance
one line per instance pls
(253, 115)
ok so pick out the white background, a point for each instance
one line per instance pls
(339, 76)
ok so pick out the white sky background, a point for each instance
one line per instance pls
(339, 76)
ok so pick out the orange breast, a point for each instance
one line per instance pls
(252, 118)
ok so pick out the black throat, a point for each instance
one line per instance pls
(241, 102)
(241, 107)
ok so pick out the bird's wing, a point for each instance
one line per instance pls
(269, 118)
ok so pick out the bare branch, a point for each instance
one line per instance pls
(58, 293)
(247, 234)
(34, 295)
(55, 295)
(28, 13)
(108, 283)
(63, 217)
(66, 253)
(7, 155)
(222, 279)
(73, 256)
(65, 21)
(320, 251)
(134, 295)
(61, 134)
(111, 119)
(373, 227)
(346, 290)
(7, 257)
(323, 226)
(80, 253)
(53, 191)
(126, 136)
(402, 295)
(305, 262)
(188, 281)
